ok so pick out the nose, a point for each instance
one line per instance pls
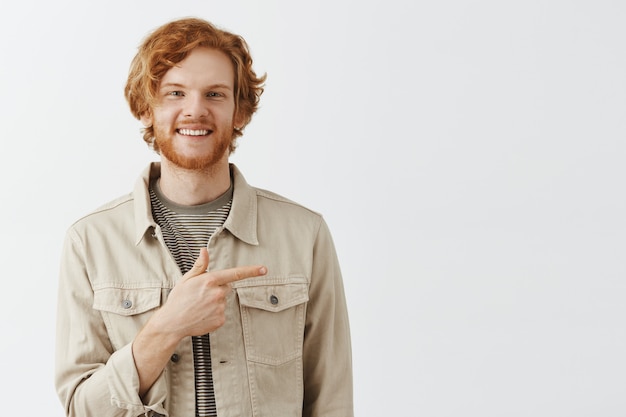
(195, 106)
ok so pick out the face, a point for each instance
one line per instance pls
(194, 116)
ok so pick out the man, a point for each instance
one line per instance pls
(198, 294)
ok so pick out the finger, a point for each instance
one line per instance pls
(199, 266)
(226, 276)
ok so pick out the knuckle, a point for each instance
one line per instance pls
(215, 298)
(218, 295)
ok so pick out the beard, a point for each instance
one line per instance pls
(220, 144)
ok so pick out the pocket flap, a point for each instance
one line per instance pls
(273, 297)
(126, 301)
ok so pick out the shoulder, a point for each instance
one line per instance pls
(277, 212)
(271, 198)
(113, 211)
(284, 209)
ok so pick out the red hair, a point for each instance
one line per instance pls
(170, 44)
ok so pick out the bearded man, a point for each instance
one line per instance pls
(198, 294)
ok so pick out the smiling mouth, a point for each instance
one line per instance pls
(193, 132)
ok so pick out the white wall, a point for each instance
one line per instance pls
(469, 157)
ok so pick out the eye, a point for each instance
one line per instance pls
(214, 94)
(175, 93)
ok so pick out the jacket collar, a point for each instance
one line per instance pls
(141, 200)
(241, 222)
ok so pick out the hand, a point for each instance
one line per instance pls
(197, 303)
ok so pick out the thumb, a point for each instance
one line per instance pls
(200, 266)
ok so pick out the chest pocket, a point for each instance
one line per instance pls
(126, 310)
(273, 314)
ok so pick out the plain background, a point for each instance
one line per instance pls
(468, 156)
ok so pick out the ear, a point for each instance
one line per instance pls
(238, 120)
(146, 118)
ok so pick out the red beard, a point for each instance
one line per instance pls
(220, 140)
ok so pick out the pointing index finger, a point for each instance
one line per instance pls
(226, 276)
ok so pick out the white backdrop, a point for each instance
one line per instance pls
(468, 156)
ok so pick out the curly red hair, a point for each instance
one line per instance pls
(170, 44)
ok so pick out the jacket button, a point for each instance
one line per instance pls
(274, 299)
(175, 358)
(127, 304)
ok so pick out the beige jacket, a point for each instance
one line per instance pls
(285, 347)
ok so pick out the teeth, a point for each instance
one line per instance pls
(190, 132)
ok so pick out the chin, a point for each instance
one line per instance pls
(204, 162)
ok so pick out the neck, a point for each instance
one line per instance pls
(193, 187)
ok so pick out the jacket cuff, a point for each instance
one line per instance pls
(123, 381)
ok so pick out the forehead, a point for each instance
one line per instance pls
(202, 66)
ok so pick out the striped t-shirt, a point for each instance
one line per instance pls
(187, 229)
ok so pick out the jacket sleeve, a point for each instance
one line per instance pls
(91, 379)
(327, 346)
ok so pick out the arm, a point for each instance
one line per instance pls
(158, 339)
(327, 346)
(92, 378)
